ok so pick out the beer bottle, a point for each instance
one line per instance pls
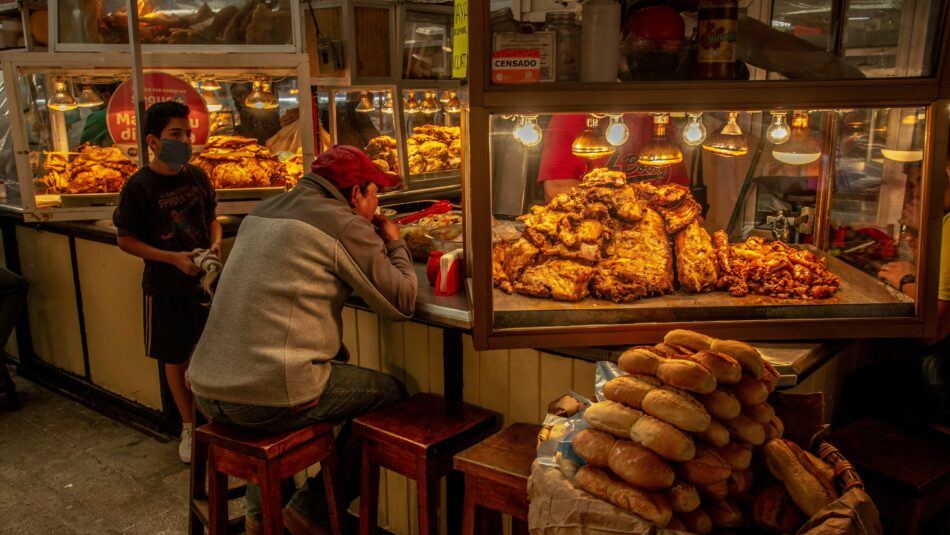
(718, 21)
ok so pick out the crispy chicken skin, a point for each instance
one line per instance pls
(639, 262)
(92, 170)
(520, 255)
(562, 280)
(774, 269)
(499, 252)
(696, 268)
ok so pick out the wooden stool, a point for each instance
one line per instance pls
(496, 479)
(417, 438)
(906, 473)
(262, 459)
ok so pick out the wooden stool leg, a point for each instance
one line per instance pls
(427, 485)
(907, 518)
(369, 491)
(330, 470)
(468, 505)
(199, 463)
(217, 496)
(271, 505)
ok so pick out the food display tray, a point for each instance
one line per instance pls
(79, 200)
(248, 194)
(859, 296)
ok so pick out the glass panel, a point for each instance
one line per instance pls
(615, 218)
(325, 38)
(716, 40)
(365, 119)
(427, 45)
(7, 162)
(434, 139)
(176, 22)
(322, 99)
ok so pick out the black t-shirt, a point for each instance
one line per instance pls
(169, 212)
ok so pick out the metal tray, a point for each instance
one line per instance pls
(79, 200)
(859, 296)
(248, 194)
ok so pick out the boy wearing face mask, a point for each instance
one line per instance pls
(167, 210)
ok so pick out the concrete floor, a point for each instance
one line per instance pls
(65, 469)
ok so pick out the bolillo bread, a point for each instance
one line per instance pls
(610, 489)
(639, 466)
(716, 434)
(612, 417)
(662, 438)
(724, 514)
(743, 428)
(639, 360)
(696, 521)
(760, 414)
(676, 407)
(683, 497)
(737, 454)
(687, 375)
(740, 482)
(774, 429)
(724, 368)
(706, 468)
(748, 357)
(775, 511)
(805, 480)
(630, 389)
(593, 446)
(716, 491)
(750, 391)
(691, 339)
(721, 404)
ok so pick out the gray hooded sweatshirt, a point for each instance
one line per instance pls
(276, 320)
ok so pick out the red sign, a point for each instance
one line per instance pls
(159, 87)
(516, 66)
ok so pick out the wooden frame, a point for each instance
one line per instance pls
(356, 42)
(486, 99)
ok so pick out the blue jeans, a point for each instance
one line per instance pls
(351, 391)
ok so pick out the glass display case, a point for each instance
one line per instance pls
(425, 44)
(79, 132)
(351, 42)
(610, 213)
(413, 132)
(218, 25)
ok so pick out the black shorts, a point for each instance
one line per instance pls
(173, 325)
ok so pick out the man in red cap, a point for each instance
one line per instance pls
(269, 357)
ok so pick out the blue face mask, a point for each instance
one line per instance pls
(174, 153)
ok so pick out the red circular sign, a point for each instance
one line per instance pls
(159, 87)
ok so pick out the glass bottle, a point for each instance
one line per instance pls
(564, 23)
(718, 21)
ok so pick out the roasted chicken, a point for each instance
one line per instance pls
(772, 268)
(562, 280)
(639, 262)
(239, 162)
(92, 169)
(696, 267)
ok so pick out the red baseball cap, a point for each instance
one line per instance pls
(348, 166)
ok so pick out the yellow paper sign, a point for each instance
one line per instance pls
(460, 40)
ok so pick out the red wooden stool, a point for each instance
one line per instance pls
(496, 479)
(417, 438)
(262, 459)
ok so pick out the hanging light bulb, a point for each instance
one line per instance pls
(411, 105)
(212, 102)
(778, 132)
(387, 106)
(660, 151)
(210, 84)
(617, 131)
(270, 99)
(729, 140)
(592, 142)
(694, 133)
(430, 104)
(62, 100)
(365, 105)
(293, 89)
(528, 132)
(446, 96)
(801, 148)
(88, 99)
(453, 105)
(256, 99)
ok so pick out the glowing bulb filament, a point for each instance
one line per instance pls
(694, 133)
(778, 132)
(528, 132)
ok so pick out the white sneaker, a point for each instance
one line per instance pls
(184, 447)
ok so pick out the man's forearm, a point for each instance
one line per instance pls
(214, 229)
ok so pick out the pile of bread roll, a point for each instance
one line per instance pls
(674, 441)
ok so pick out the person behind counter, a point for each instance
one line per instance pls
(167, 210)
(910, 377)
(95, 130)
(560, 170)
(256, 124)
(266, 358)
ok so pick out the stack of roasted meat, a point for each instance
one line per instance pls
(92, 170)
(610, 239)
(239, 162)
(431, 148)
(293, 167)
